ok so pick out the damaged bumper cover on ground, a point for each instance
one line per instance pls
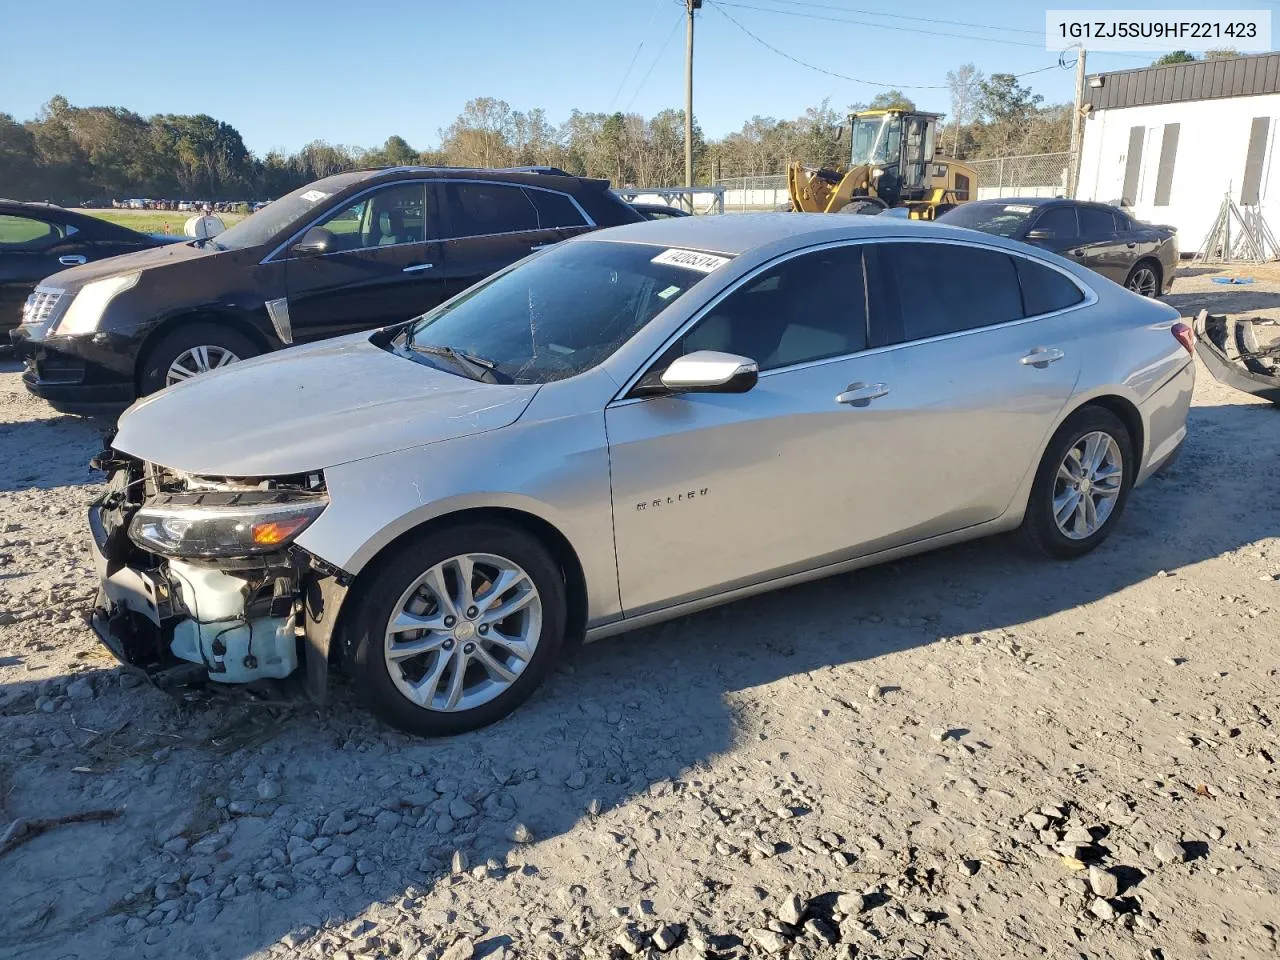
(1237, 356)
(199, 576)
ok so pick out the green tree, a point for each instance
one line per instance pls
(1177, 56)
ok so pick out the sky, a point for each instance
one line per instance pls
(285, 72)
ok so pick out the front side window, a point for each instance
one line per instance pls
(558, 314)
(484, 209)
(27, 233)
(810, 307)
(932, 289)
(387, 217)
(291, 212)
(1058, 223)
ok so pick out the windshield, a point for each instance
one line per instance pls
(561, 313)
(875, 140)
(1003, 219)
(287, 213)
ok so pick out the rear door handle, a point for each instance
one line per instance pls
(860, 394)
(1042, 356)
(418, 266)
(1131, 244)
(72, 260)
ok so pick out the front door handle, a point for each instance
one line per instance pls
(860, 394)
(1042, 356)
(418, 266)
(72, 260)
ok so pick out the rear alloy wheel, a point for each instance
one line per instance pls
(1143, 280)
(458, 628)
(1081, 485)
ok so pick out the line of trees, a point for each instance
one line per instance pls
(68, 154)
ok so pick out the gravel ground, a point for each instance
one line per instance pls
(962, 755)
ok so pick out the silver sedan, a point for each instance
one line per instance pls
(623, 428)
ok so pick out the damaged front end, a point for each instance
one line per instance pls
(200, 575)
(1244, 354)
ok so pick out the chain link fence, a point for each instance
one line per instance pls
(1031, 175)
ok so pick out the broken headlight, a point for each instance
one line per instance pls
(176, 527)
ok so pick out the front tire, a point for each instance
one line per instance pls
(1081, 485)
(190, 350)
(457, 628)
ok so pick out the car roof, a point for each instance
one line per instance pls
(1040, 202)
(738, 233)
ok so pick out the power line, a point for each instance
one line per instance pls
(661, 51)
(840, 76)
(903, 16)
(640, 46)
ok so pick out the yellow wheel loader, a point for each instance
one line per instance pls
(892, 163)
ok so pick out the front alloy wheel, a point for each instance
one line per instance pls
(453, 629)
(464, 632)
(197, 360)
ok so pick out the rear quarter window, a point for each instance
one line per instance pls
(1044, 290)
(554, 209)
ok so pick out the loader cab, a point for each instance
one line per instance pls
(898, 146)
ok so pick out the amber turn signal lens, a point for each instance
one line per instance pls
(278, 531)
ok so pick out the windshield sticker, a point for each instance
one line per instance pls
(311, 196)
(691, 259)
(1017, 208)
(671, 291)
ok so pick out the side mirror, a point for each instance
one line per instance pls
(1034, 235)
(314, 243)
(708, 371)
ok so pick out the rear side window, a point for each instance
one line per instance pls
(931, 289)
(483, 209)
(27, 233)
(555, 209)
(1044, 290)
(1096, 223)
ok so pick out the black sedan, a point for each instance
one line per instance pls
(37, 239)
(1103, 238)
(354, 251)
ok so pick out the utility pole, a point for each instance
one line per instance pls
(690, 6)
(1077, 123)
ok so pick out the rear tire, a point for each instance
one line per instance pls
(404, 589)
(1145, 279)
(190, 347)
(1056, 521)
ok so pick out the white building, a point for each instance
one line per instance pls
(1167, 143)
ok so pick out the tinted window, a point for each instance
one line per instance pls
(929, 289)
(807, 308)
(27, 233)
(387, 217)
(1060, 222)
(555, 209)
(1123, 223)
(1096, 222)
(1044, 290)
(480, 209)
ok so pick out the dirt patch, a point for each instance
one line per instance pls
(962, 755)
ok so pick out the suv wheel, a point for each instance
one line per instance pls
(458, 628)
(191, 350)
(1081, 485)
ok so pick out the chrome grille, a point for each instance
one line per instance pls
(39, 306)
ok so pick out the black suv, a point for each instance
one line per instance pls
(37, 239)
(349, 252)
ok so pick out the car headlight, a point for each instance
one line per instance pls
(88, 304)
(185, 529)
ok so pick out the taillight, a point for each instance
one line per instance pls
(1183, 333)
